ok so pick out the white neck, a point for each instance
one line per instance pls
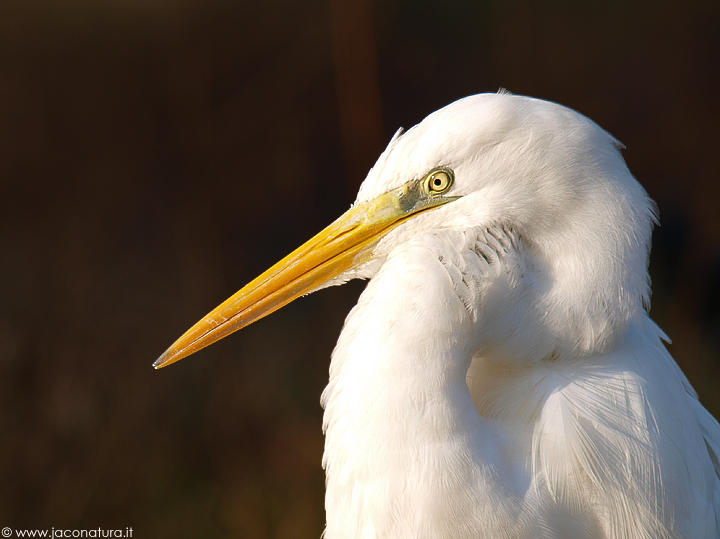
(403, 437)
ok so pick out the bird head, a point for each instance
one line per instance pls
(487, 160)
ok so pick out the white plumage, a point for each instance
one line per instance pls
(500, 376)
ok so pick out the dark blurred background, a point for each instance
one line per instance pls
(155, 155)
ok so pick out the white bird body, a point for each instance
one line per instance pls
(487, 388)
(499, 376)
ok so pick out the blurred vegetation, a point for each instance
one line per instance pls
(155, 155)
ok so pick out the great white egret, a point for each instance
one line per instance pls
(499, 376)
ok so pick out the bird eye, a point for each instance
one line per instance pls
(439, 181)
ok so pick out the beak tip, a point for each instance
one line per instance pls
(162, 361)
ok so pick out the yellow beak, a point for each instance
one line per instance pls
(345, 244)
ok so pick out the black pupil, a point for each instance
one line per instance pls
(437, 182)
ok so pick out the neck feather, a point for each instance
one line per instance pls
(403, 437)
